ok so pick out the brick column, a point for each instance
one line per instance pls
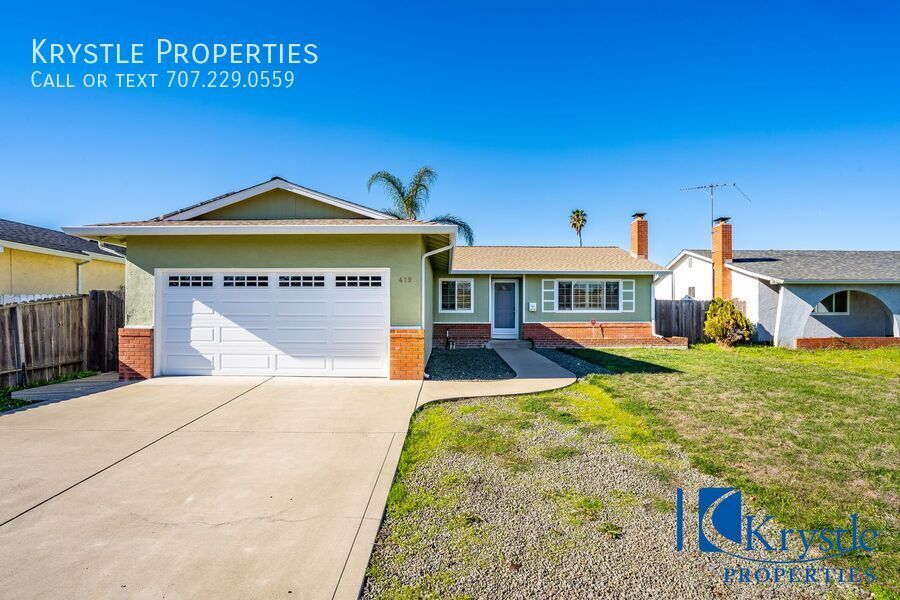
(721, 255)
(407, 353)
(135, 353)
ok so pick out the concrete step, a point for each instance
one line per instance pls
(511, 344)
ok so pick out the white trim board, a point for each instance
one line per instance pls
(298, 229)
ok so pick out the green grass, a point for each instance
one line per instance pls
(8, 403)
(811, 436)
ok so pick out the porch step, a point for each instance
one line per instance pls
(494, 344)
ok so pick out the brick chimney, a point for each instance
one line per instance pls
(639, 235)
(721, 254)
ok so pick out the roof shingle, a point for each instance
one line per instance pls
(818, 265)
(31, 235)
(548, 259)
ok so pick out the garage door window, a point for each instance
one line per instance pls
(301, 281)
(357, 281)
(246, 281)
(190, 281)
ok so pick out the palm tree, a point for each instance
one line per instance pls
(577, 220)
(410, 200)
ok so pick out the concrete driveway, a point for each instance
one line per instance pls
(200, 487)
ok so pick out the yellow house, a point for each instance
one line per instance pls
(35, 260)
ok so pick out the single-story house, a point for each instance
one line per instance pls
(796, 298)
(279, 279)
(35, 260)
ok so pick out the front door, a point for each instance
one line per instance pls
(505, 318)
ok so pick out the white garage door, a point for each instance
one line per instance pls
(304, 323)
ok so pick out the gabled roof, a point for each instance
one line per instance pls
(230, 198)
(864, 266)
(39, 239)
(549, 259)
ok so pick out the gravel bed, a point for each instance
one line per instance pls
(593, 521)
(579, 367)
(467, 364)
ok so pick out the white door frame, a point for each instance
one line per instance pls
(506, 334)
(160, 279)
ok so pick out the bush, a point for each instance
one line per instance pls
(725, 324)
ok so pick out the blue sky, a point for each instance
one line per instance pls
(527, 110)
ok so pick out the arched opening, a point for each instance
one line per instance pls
(849, 313)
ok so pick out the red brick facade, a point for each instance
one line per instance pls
(135, 353)
(466, 335)
(407, 353)
(586, 335)
(640, 236)
(721, 254)
(847, 342)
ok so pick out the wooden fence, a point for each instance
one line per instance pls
(44, 339)
(685, 318)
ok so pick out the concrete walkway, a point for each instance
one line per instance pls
(71, 389)
(534, 373)
(208, 487)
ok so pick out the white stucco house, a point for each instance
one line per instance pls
(796, 298)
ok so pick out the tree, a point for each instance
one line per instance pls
(409, 200)
(577, 220)
(726, 324)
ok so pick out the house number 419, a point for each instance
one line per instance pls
(404, 279)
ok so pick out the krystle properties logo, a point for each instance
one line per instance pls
(788, 555)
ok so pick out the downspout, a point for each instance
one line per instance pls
(78, 275)
(424, 256)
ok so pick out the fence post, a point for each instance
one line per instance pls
(20, 347)
(85, 334)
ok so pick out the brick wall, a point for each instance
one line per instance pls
(466, 335)
(135, 353)
(407, 353)
(848, 342)
(721, 254)
(640, 237)
(574, 335)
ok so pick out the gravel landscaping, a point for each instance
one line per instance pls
(469, 364)
(578, 366)
(555, 495)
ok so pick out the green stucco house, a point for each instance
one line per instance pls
(279, 279)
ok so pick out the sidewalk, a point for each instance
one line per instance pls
(534, 373)
(71, 389)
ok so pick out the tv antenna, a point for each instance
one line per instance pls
(711, 188)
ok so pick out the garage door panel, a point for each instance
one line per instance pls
(188, 307)
(245, 334)
(303, 308)
(301, 324)
(299, 362)
(301, 335)
(190, 334)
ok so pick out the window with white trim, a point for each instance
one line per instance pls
(190, 281)
(244, 281)
(588, 296)
(456, 295)
(835, 304)
(357, 281)
(301, 281)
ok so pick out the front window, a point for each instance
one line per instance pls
(835, 304)
(456, 295)
(588, 295)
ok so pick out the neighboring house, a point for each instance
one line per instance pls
(796, 298)
(281, 279)
(34, 260)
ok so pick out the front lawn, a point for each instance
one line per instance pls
(569, 493)
(812, 435)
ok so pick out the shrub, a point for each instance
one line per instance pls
(726, 324)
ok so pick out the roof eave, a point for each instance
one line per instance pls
(555, 272)
(122, 231)
(43, 250)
